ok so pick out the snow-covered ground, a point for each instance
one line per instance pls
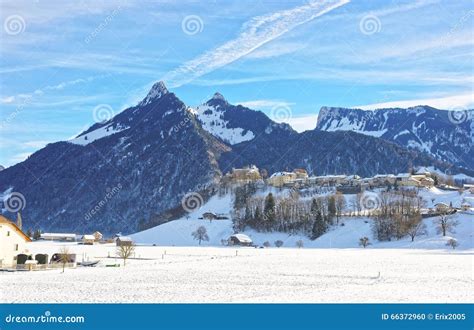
(331, 268)
(225, 274)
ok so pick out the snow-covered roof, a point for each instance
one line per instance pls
(384, 176)
(58, 235)
(274, 175)
(441, 204)
(242, 238)
(125, 239)
(88, 237)
(403, 175)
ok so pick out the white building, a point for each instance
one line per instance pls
(62, 237)
(12, 242)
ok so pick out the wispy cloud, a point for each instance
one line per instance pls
(255, 33)
(264, 104)
(463, 101)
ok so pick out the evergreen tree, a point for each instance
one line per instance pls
(257, 218)
(319, 226)
(314, 206)
(269, 211)
(37, 234)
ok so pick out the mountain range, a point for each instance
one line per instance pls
(446, 135)
(131, 172)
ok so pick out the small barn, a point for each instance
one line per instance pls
(123, 241)
(240, 239)
(60, 237)
(88, 239)
(209, 216)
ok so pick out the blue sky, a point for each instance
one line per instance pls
(60, 61)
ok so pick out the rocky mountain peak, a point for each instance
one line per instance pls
(156, 92)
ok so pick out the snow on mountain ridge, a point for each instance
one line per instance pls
(212, 120)
(422, 127)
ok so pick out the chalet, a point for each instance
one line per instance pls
(240, 239)
(279, 179)
(61, 237)
(12, 242)
(88, 239)
(246, 174)
(442, 207)
(382, 180)
(123, 241)
(465, 206)
(97, 236)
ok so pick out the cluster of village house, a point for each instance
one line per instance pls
(299, 178)
(14, 251)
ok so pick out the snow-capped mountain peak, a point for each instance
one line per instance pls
(157, 91)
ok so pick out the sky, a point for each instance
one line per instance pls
(61, 62)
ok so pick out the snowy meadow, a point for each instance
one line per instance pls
(231, 275)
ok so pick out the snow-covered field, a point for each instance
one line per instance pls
(212, 274)
(331, 268)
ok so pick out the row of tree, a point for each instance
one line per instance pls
(287, 214)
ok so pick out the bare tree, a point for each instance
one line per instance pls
(416, 228)
(125, 251)
(201, 234)
(64, 253)
(299, 243)
(445, 223)
(452, 243)
(364, 242)
(266, 244)
(340, 205)
(278, 243)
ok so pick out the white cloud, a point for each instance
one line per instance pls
(264, 104)
(303, 123)
(463, 101)
(255, 33)
(7, 99)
